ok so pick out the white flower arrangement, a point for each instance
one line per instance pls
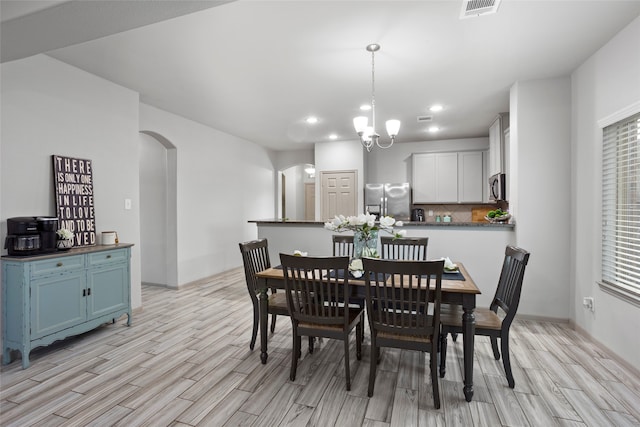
(64, 234)
(365, 224)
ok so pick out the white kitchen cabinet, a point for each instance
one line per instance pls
(435, 177)
(448, 177)
(496, 144)
(470, 177)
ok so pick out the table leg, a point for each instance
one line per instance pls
(264, 323)
(468, 330)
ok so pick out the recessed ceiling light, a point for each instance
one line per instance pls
(311, 120)
(433, 129)
(435, 108)
(365, 107)
(333, 136)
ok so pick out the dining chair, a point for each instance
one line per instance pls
(342, 245)
(488, 322)
(316, 288)
(404, 248)
(255, 257)
(403, 307)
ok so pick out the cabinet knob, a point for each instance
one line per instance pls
(59, 264)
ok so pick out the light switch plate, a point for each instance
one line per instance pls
(127, 204)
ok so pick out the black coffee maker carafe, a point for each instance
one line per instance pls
(417, 214)
(30, 235)
(47, 227)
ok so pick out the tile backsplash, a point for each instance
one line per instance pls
(459, 213)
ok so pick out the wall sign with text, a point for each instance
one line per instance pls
(73, 181)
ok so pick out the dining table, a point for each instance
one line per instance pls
(458, 289)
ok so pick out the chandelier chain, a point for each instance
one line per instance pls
(373, 90)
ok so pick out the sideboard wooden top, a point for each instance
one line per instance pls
(73, 251)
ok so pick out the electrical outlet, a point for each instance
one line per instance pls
(589, 302)
(430, 212)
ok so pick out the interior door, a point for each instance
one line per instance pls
(339, 194)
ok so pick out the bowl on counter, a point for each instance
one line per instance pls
(502, 218)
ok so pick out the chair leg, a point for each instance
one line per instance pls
(256, 320)
(273, 323)
(373, 364)
(506, 359)
(359, 334)
(311, 340)
(433, 362)
(295, 353)
(443, 353)
(347, 373)
(454, 336)
(494, 346)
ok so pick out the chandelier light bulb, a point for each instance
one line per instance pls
(393, 127)
(360, 123)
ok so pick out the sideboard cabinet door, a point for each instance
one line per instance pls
(108, 290)
(57, 302)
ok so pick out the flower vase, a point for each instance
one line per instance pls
(64, 244)
(365, 244)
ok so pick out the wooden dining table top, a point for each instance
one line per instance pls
(466, 286)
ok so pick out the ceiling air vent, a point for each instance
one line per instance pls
(422, 119)
(473, 8)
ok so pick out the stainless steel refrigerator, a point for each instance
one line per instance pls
(388, 199)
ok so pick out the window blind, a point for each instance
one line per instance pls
(621, 207)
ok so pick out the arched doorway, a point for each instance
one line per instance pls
(297, 192)
(158, 213)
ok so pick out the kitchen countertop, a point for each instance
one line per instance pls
(499, 225)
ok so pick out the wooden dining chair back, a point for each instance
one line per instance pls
(316, 288)
(488, 321)
(342, 245)
(404, 248)
(403, 307)
(255, 257)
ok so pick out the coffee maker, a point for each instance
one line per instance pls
(417, 215)
(30, 235)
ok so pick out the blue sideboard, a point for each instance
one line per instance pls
(49, 297)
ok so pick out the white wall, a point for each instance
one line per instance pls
(540, 164)
(606, 83)
(223, 182)
(294, 194)
(48, 108)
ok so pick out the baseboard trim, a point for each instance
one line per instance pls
(604, 348)
(541, 318)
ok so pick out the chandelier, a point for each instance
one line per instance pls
(367, 134)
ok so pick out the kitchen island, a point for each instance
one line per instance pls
(480, 244)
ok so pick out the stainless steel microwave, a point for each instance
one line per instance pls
(498, 187)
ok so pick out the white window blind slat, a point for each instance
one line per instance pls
(621, 207)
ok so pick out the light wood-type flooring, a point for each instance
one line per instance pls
(185, 361)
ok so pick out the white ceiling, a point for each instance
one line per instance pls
(257, 69)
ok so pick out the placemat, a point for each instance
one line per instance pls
(450, 276)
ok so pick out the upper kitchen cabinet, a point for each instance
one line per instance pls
(455, 177)
(496, 144)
